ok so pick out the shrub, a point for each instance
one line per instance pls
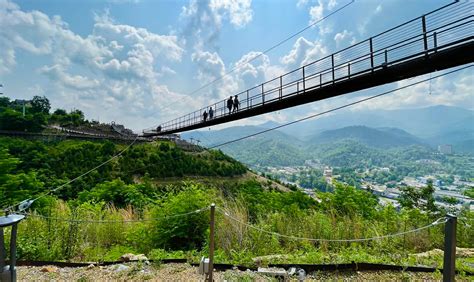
(186, 232)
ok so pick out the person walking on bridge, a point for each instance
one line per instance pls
(236, 103)
(230, 103)
(204, 116)
(211, 113)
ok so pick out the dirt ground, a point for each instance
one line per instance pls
(186, 272)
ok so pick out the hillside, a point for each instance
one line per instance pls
(379, 138)
(44, 165)
(272, 148)
(432, 124)
(388, 129)
(279, 149)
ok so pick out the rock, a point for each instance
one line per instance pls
(460, 253)
(120, 268)
(90, 266)
(301, 275)
(430, 254)
(465, 252)
(132, 257)
(292, 271)
(49, 269)
(278, 273)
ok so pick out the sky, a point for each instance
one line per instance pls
(140, 62)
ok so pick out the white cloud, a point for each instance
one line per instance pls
(316, 12)
(238, 11)
(332, 4)
(451, 90)
(301, 3)
(362, 26)
(203, 20)
(211, 68)
(167, 71)
(119, 35)
(303, 52)
(378, 9)
(57, 73)
(112, 71)
(344, 37)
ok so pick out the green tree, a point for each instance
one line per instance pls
(15, 187)
(40, 104)
(427, 194)
(419, 198)
(347, 200)
(187, 232)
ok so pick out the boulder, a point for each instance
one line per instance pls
(49, 269)
(120, 268)
(132, 257)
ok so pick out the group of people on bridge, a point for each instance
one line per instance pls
(232, 105)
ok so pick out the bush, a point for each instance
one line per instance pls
(186, 232)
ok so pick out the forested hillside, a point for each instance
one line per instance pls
(31, 167)
(355, 147)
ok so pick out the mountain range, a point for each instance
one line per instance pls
(427, 127)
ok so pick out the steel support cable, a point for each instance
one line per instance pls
(341, 107)
(78, 177)
(434, 223)
(116, 221)
(262, 53)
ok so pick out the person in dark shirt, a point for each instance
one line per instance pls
(230, 103)
(211, 113)
(236, 103)
(204, 116)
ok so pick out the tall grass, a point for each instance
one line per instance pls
(55, 235)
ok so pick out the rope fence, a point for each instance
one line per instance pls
(71, 234)
(34, 215)
(441, 220)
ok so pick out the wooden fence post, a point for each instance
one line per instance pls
(211, 243)
(449, 265)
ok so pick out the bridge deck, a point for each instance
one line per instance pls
(439, 40)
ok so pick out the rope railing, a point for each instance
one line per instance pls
(34, 215)
(441, 220)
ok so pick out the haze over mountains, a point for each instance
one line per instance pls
(428, 127)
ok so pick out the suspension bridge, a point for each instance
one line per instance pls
(435, 41)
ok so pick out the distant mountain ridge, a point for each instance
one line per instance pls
(423, 123)
(292, 145)
(381, 138)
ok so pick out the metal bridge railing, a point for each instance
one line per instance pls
(445, 27)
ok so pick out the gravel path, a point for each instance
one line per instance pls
(185, 272)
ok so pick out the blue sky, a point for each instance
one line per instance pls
(136, 61)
